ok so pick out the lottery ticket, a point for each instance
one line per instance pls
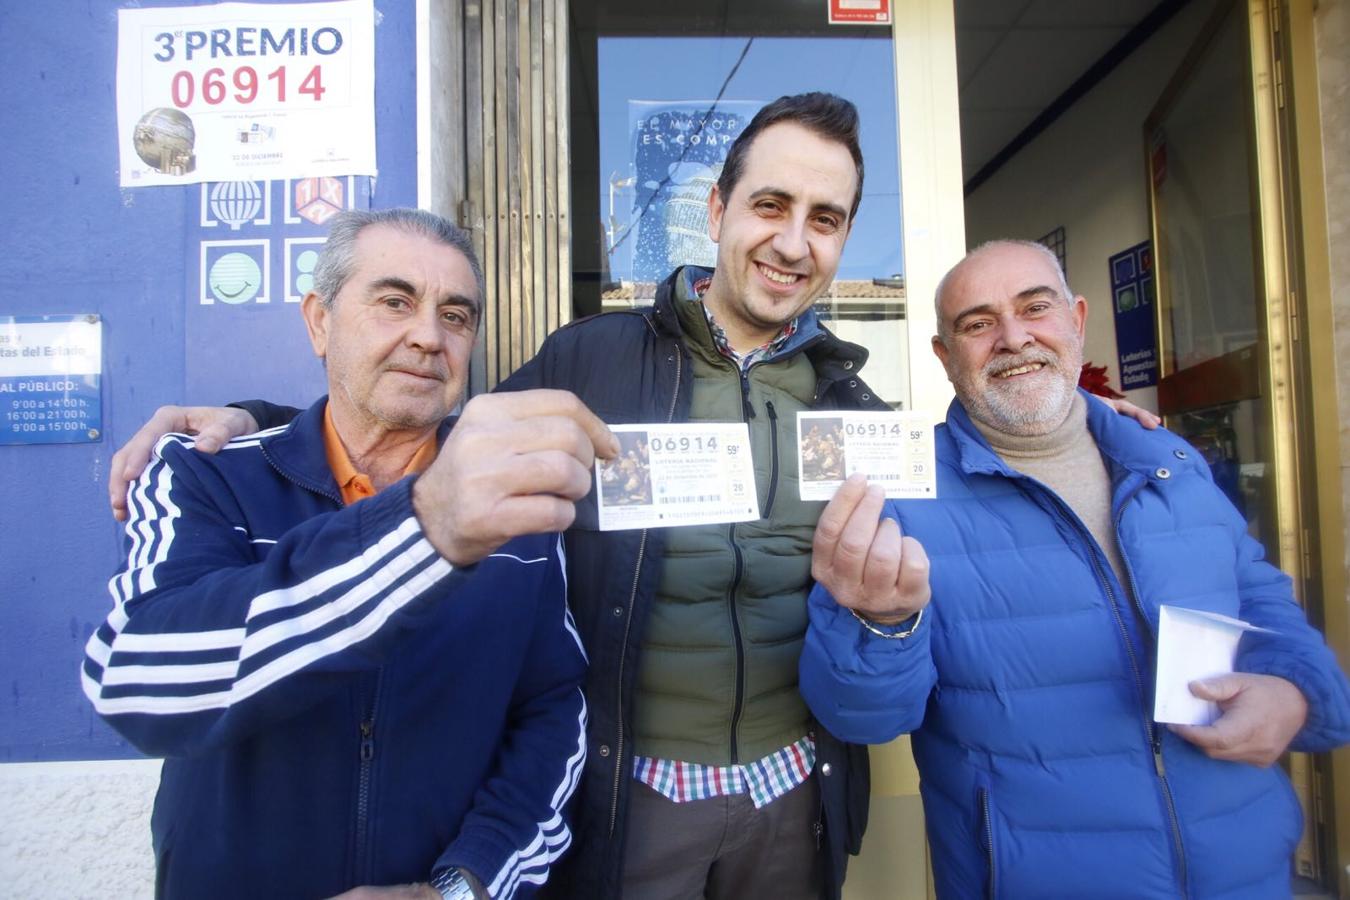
(668, 475)
(893, 449)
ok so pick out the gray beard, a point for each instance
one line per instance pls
(999, 413)
(1011, 414)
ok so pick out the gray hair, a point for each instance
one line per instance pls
(337, 259)
(1049, 255)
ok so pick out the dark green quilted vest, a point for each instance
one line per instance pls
(717, 682)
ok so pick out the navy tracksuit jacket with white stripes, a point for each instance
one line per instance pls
(338, 704)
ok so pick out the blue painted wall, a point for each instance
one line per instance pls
(74, 242)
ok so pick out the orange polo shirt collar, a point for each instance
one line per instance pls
(356, 485)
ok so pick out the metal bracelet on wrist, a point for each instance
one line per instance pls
(452, 885)
(876, 627)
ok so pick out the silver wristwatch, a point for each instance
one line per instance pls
(452, 885)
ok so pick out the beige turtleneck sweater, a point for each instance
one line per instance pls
(1067, 461)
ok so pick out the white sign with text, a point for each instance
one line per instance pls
(245, 91)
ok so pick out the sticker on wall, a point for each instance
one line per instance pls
(859, 12)
(1132, 291)
(236, 204)
(302, 254)
(316, 200)
(50, 370)
(235, 272)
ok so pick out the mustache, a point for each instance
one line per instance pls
(1025, 358)
(771, 258)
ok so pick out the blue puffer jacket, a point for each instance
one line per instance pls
(1029, 685)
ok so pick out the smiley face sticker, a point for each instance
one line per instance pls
(234, 272)
(235, 278)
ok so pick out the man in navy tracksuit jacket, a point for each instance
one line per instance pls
(360, 693)
(1028, 683)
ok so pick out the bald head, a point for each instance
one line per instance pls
(1010, 336)
(1004, 245)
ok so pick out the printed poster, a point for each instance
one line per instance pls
(678, 149)
(245, 92)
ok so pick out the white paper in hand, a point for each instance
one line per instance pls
(1192, 645)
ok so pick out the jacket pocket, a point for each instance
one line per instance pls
(986, 838)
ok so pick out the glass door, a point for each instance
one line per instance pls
(1219, 170)
(1213, 321)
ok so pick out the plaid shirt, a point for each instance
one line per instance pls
(767, 779)
(750, 357)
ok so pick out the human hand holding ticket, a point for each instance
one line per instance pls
(863, 559)
(893, 449)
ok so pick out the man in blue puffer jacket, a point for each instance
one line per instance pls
(1028, 683)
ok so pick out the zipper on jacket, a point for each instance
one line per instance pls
(988, 842)
(366, 727)
(747, 408)
(1155, 737)
(366, 754)
(628, 624)
(1161, 768)
(738, 702)
(773, 455)
(738, 698)
(1154, 741)
(1150, 732)
(623, 654)
(322, 492)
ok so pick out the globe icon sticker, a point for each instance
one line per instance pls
(236, 202)
(235, 278)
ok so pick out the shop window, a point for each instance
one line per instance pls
(658, 95)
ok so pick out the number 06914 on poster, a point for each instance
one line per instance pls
(893, 449)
